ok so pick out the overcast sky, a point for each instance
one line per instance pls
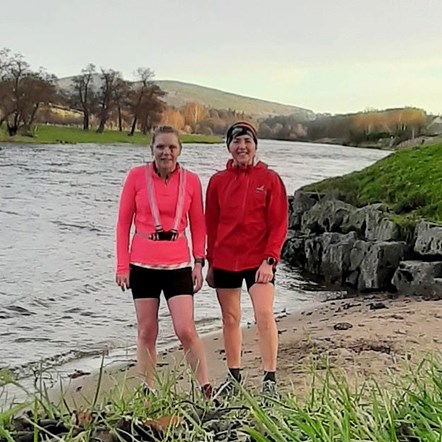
(329, 56)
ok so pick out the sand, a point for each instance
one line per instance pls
(369, 336)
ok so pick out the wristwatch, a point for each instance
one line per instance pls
(270, 261)
(201, 261)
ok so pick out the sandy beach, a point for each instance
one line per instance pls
(371, 336)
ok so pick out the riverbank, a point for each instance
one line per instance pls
(366, 338)
(73, 135)
(339, 362)
(408, 182)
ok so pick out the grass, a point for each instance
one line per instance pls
(408, 182)
(405, 410)
(73, 135)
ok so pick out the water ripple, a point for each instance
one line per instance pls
(58, 299)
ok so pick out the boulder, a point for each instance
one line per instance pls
(326, 216)
(379, 264)
(357, 255)
(335, 260)
(419, 278)
(428, 239)
(293, 250)
(300, 203)
(378, 227)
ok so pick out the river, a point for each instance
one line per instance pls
(58, 299)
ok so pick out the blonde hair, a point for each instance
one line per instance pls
(164, 129)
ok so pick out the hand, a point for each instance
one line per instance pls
(122, 281)
(264, 274)
(209, 277)
(197, 277)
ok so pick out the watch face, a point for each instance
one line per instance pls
(271, 261)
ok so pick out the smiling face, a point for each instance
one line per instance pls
(165, 150)
(243, 150)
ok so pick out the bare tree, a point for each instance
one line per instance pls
(146, 103)
(121, 99)
(83, 96)
(106, 95)
(22, 92)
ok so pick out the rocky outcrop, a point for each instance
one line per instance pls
(362, 248)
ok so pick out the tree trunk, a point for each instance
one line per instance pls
(134, 125)
(120, 120)
(100, 129)
(85, 121)
(12, 130)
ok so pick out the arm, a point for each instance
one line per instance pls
(212, 216)
(196, 220)
(126, 213)
(277, 218)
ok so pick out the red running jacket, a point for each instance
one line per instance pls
(246, 217)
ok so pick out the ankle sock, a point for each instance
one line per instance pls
(269, 376)
(235, 373)
(207, 391)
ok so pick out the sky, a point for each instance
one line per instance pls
(333, 56)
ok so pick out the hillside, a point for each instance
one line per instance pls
(179, 93)
(409, 182)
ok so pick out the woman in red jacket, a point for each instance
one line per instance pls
(246, 219)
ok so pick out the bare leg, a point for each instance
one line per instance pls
(230, 303)
(147, 319)
(262, 296)
(181, 310)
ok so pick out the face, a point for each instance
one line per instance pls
(166, 151)
(243, 150)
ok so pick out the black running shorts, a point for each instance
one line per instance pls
(149, 283)
(224, 279)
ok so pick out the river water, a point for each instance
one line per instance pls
(58, 299)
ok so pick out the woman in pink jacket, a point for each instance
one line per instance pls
(159, 198)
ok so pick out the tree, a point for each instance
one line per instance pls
(84, 96)
(121, 99)
(193, 113)
(174, 118)
(106, 95)
(22, 92)
(146, 101)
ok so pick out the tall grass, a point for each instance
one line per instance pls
(406, 408)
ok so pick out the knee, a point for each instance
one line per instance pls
(231, 320)
(187, 335)
(265, 320)
(147, 334)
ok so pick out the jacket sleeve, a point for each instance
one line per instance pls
(212, 217)
(277, 218)
(196, 220)
(126, 213)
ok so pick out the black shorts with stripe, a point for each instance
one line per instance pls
(149, 283)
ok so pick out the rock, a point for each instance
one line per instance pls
(342, 326)
(335, 258)
(377, 305)
(293, 250)
(428, 239)
(355, 221)
(325, 216)
(378, 226)
(313, 255)
(419, 278)
(301, 202)
(379, 265)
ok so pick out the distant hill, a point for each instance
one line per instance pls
(180, 93)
